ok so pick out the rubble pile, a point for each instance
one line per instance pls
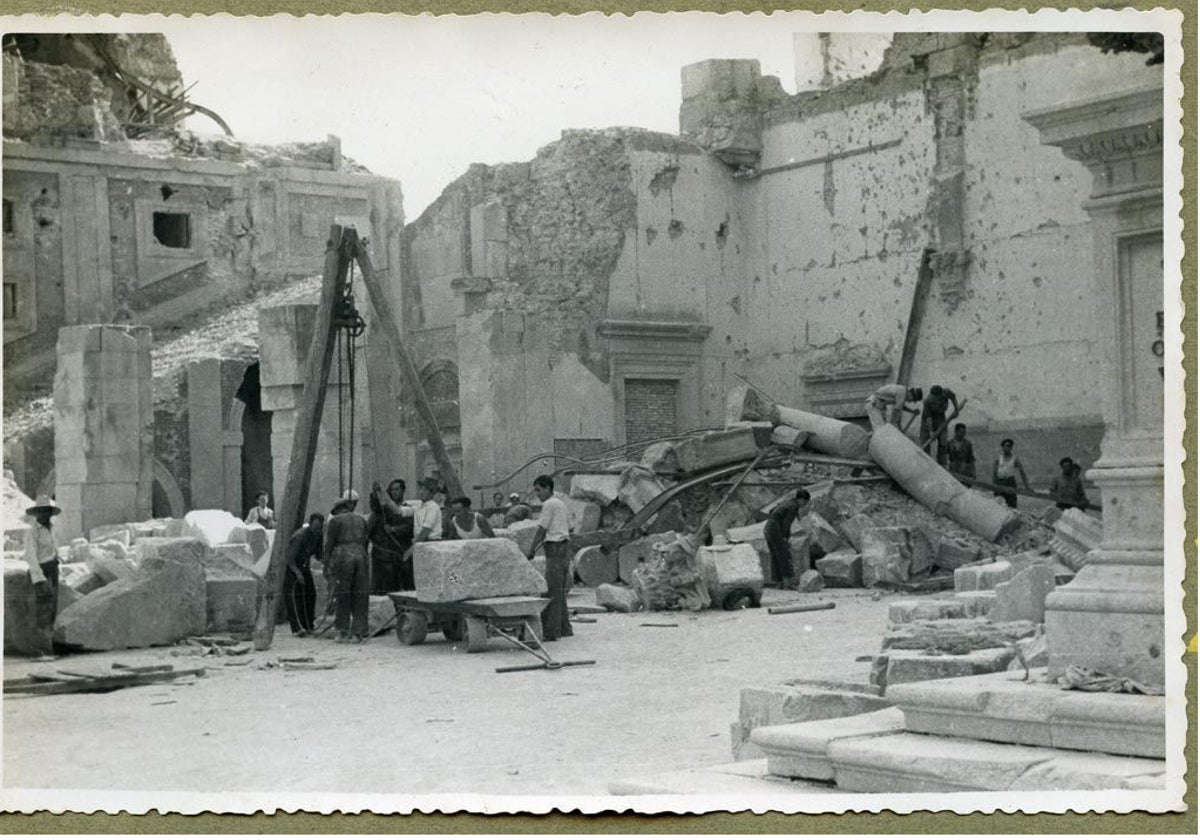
(149, 583)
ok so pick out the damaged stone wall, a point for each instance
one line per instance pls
(43, 101)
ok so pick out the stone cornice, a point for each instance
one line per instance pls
(672, 330)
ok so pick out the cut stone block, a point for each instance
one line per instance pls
(821, 532)
(107, 566)
(926, 609)
(595, 566)
(912, 763)
(979, 602)
(956, 635)
(841, 568)
(730, 567)
(156, 528)
(903, 666)
(585, 516)
(116, 533)
(893, 555)
(852, 527)
(20, 611)
(949, 553)
(810, 581)
(801, 750)
(521, 533)
(1075, 534)
(799, 545)
(212, 526)
(237, 554)
(457, 570)
(162, 604)
(788, 437)
(639, 486)
(715, 449)
(983, 577)
(617, 598)
(632, 553)
(256, 536)
(762, 706)
(230, 601)
(1023, 597)
(601, 488)
(1000, 707)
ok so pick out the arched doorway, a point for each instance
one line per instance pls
(439, 380)
(257, 467)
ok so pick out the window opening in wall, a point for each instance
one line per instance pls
(166, 191)
(10, 301)
(173, 230)
(9, 223)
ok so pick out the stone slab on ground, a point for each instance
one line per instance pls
(20, 610)
(777, 705)
(457, 570)
(912, 763)
(212, 526)
(1006, 708)
(927, 609)
(890, 556)
(1023, 596)
(841, 568)
(801, 750)
(904, 666)
(735, 781)
(632, 553)
(617, 598)
(163, 603)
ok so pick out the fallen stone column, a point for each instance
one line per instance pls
(833, 437)
(937, 489)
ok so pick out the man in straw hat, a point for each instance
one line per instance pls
(41, 554)
(345, 557)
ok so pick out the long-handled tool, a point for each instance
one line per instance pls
(547, 662)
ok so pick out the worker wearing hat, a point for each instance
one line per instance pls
(517, 511)
(41, 554)
(345, 559)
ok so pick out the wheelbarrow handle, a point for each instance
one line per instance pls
(543, 666)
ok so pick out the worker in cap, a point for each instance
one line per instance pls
(41, 555)
(517, 511)
(345, 557)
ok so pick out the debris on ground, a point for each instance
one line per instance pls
(73, 681)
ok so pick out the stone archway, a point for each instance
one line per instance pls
(439, 380)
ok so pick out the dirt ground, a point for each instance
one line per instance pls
(434, 719)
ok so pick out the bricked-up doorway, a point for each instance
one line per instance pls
(651, 409)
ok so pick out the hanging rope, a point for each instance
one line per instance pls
(350, 325)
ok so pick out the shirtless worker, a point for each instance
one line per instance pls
(933, 420)
(346, 554)
(892, 402)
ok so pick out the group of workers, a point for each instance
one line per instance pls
(373, 554)
(957, 453)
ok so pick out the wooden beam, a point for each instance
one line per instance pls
(404, 360)
(916, 317)
(294, 501)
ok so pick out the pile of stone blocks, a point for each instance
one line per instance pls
(460, 570)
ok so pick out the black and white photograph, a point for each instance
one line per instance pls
(663, 413)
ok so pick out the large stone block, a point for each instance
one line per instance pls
(714, 449)
(104, 533)
(457, 570)
(852, 527)
(617, 598)
(601, 488)
(20, 611)
(107, 565)
(801, 750)
(639, 486)
(256, 536)
(950, 553)
(730, 567)
(893, 555)
(763, 706)
(904, 666)
(214, 527)
(585, 516)
(230, 601)
(1023, 596)
(841, 568)
(595, 566)
(982, 577)
(237, 556)
(521, 533)
(822, 533)
(162, 604)
(927, 609)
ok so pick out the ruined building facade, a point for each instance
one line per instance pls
(108, 220)
(904, 225)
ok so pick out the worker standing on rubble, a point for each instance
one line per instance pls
(893, 402)
(390, 527)
(1067, 487)
(299, 593)
(553, 532)
(346, 554)
(41, 555)
(777, 531)
(1005, 469)
(466, 524)
(960, 453)
(933, 420)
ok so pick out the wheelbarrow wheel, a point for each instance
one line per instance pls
(411, 628)
(476, 633)
(452, 629)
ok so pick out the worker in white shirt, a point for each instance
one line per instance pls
(891, 401)
(553, 532)
(41, 555)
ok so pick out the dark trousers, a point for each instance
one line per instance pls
(1009, 498)
(300, 599)
(930, 423)
(47, 608)
(781, 555)
(556, 621)
(385, 571)
(353, 595)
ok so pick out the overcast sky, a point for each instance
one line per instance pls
(419, 99)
